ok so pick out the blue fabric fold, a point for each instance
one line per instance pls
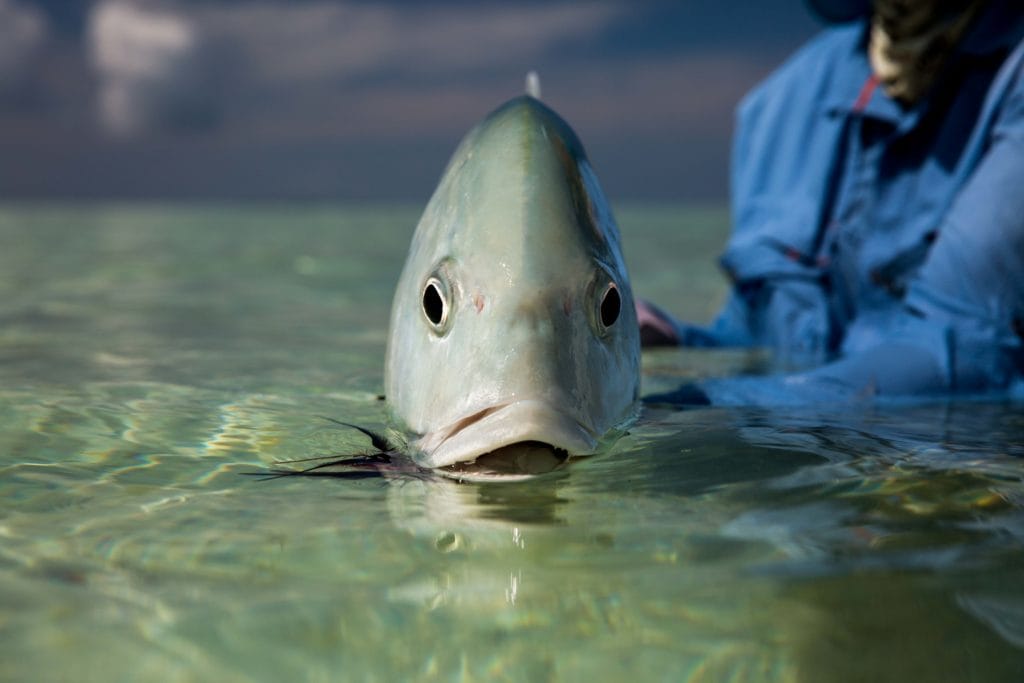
(878, 245)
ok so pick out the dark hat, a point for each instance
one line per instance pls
(837, 11)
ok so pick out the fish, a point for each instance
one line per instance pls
(513, 343)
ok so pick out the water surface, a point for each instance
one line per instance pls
(151, 355)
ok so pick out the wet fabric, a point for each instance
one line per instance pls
(881, 245)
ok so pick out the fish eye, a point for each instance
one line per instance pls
(611, 305)
(435, 305)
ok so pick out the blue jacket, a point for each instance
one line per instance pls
(881, 246)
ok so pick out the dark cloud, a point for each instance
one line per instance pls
(660, 27)
(23, 34)
(365, 99)
(152, 68)
(283, 66)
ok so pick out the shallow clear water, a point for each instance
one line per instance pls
(149, 356)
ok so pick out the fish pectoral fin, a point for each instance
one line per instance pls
(379, 441)
(360, 467)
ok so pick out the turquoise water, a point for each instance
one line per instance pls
(149, 356)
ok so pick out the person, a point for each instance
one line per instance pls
(878, 212)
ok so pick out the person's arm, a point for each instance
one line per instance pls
(659, 328)
(960, 329)
(777, 189)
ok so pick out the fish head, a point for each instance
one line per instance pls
(513, 326)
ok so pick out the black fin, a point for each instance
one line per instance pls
(365, 466)
(379, 441)
(348, 474)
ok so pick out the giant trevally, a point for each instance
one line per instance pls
(513, 339)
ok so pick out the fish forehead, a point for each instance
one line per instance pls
(519, 197)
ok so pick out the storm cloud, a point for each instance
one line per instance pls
(23, 35)
(364, 99)
(182, 64)
(151, 68)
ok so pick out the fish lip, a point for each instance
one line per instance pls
(500, 425)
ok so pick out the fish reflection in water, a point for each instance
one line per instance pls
(858, 526)
(866, 535)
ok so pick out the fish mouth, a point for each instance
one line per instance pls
(519, 460)
(520, 438)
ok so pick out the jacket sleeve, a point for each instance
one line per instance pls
(778, 190)
(972, 285)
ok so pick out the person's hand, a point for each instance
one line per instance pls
(656, 327)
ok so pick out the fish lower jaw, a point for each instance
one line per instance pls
(518, 439)
(519, 460)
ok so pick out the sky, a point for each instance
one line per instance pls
(364, 100)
